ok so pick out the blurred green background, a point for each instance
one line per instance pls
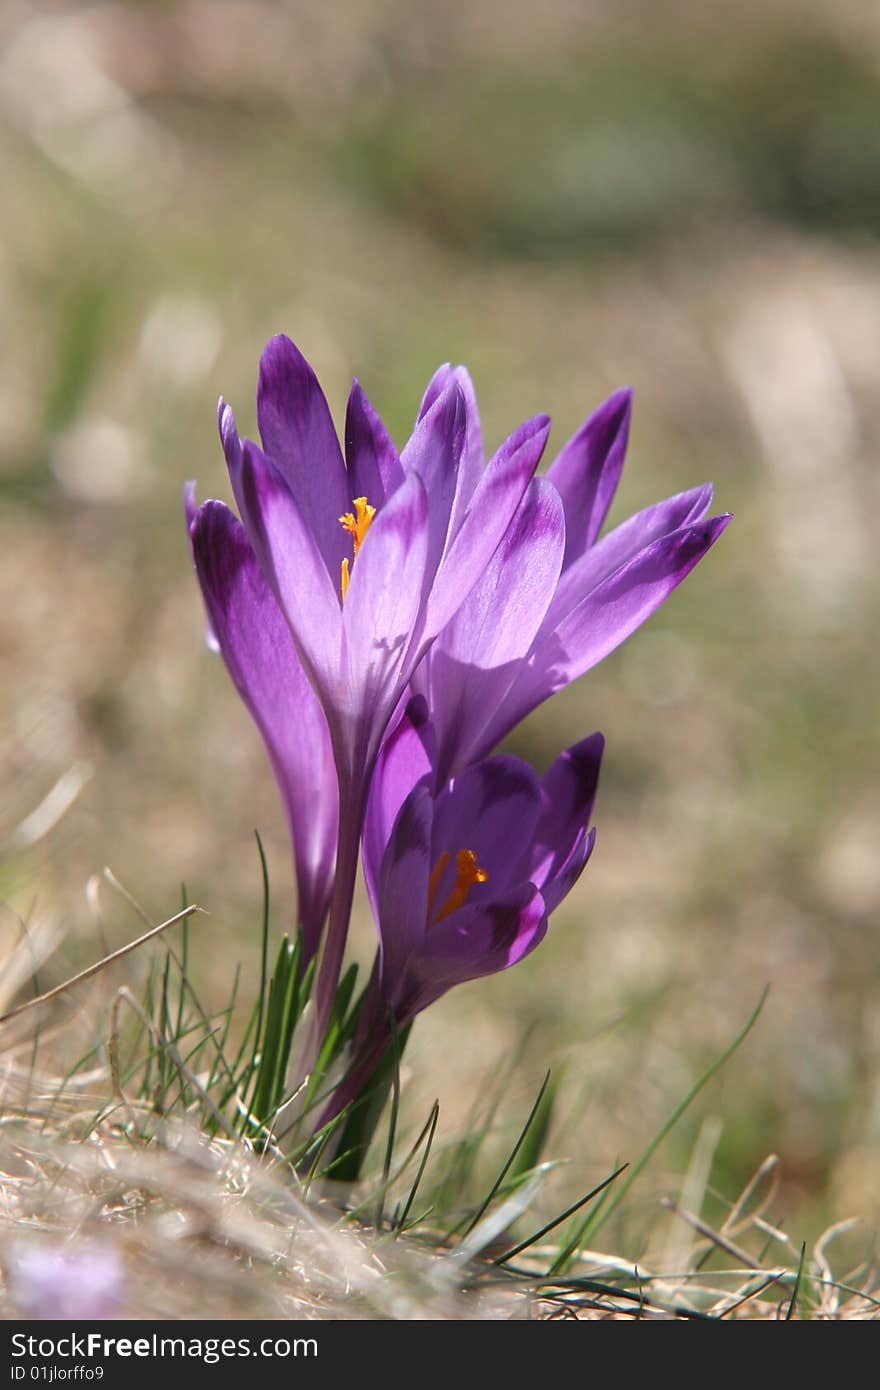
(567, 197)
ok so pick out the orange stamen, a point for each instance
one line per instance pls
(357, 524)
(467, 873)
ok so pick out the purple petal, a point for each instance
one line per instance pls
(229, 436)
(474, 458)
(477, 941)
(408, 757)
(374, 468)
(257, 647)
(434, 452)
(567, 874)
(568, 791)
(605, 618)
(499, 493)
(384, 600)
(587, 570)
(475, 659)
(587, 471)
(403, 887)
(293, 565)
(190, 508)
(492, 809)
(298, 436)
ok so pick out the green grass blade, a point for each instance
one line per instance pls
(245, 1076)
(603, 1214)
(511, 1158)
(184, 962)
(557, 1220)
(464, 1154)
(535, 1137)
(392, 1120)
(429, 1130)
(789, 1312)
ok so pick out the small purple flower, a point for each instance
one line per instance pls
(463, 876)
(53, 1282)
(555, 599)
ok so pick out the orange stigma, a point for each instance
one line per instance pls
(468, 872)
(357, 524)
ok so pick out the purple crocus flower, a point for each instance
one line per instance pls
(555, 600)
(462, 875)
(367, 558)
(246, 625)
(57, 1282)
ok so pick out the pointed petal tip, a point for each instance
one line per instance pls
(593, 744)
(282, 343)
(717, 524)
(692, 541)
(211, 512)
(622, 405)
(534, 430)
(585, 758)
(618, 405)
(610, 421)
(356, 409)
(450, 398)
(228, 433)
(281, 364)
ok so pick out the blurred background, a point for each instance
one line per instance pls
(568, 198)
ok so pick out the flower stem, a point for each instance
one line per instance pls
(351, 809)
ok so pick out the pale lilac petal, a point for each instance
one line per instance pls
(475, 659)
(605, 618)
(293, 566)
(434, 451)
(229, 436)
(474, 458)
(587, 471)
(53, 1281)
(384, 601)
(491, 809)
(257, 647)
(592, 566)
(374, 469)
(498, 494)
(298, 435)
(408, 756)
(190, 504)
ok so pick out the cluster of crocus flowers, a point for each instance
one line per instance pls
(387, 619)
